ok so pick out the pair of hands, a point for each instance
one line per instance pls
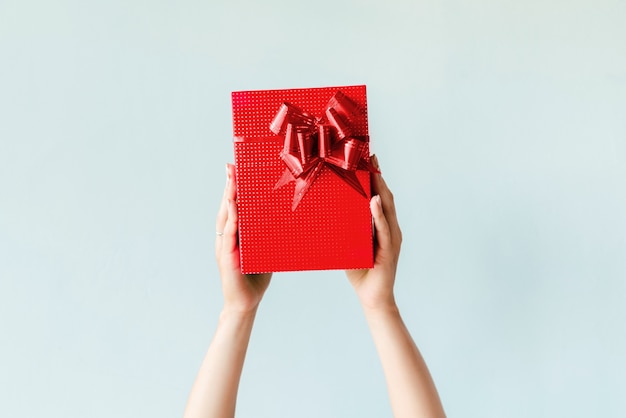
(374, 287)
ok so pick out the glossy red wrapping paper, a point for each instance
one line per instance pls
(320, 220)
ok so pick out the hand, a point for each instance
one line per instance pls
(374, 286)
(242, 292)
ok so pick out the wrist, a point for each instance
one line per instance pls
(387, 307)
(241, 305)
(236, 314)
(378, 300)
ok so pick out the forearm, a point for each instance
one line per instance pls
(214, 392)
(412, 392)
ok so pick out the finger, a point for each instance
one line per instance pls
(231, 190)
(229, 239)
(378, 183)
(374, 161)
(380, 188)
(383, 233)
(388, 202)
(222, 213)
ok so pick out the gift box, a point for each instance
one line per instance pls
(303, 179)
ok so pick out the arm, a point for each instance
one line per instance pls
(412, 392)
(214, 392)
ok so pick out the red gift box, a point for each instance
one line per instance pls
(303, 179)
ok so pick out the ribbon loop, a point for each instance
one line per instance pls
(290, 114)
(314, 143)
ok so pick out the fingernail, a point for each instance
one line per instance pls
(378, 201)
(227, 173)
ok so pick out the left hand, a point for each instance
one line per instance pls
(374, 286)
(242, 292)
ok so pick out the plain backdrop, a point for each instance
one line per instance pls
(500, 126)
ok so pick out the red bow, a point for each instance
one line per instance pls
(314, 143)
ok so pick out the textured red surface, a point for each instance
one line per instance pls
(330, 229)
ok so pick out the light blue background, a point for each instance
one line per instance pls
(500, 126)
